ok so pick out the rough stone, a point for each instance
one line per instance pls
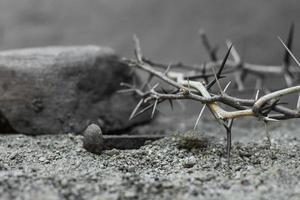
(54, 90)
(93, 139)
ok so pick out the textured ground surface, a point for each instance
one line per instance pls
(57, 167)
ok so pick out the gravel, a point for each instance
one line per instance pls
(57, 167)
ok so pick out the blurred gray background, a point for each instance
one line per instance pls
(167, 29)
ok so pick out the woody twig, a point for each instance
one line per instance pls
(198, 87)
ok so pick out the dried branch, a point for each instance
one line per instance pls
(267, 107)
(241, 69)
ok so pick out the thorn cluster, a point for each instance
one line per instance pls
(196, 83)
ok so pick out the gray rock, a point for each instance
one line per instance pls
(93, 139)
(63, 89)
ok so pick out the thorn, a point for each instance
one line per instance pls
(204, 69)
(189, 86)
(125, 90)
(137, 50)
(268, 109)
(207, 45)
(268, 134)
(204, 73)
(228, 147)
(268, 119)
(126, 85)
(199, 116)
(154, 108)
(228, 128)
(170, 100)
(217, 80)
(164, 91)
(147, 82)
(282, 103)
(155, 86)
(168, 68)
(230, 123)
(235, 55)
(221, 68)
(288, 50)
(136, 109)
(147, 108)
(224, 61)
(256, 96)
(171, 103)
(286, 58)
(298, 102)
(288, 79)
(226, 87)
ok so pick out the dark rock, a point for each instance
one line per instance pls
(93, 139)
(63, 89)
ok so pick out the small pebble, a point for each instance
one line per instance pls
(93, 139)
(13, 156)
(189, 162)
(42, 159)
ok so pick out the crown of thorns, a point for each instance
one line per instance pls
(196, 82)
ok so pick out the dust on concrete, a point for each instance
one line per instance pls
(57, 167)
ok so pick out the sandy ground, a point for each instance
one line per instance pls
(181, 166)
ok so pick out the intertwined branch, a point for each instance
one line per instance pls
(197, 86)
(238, 67)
